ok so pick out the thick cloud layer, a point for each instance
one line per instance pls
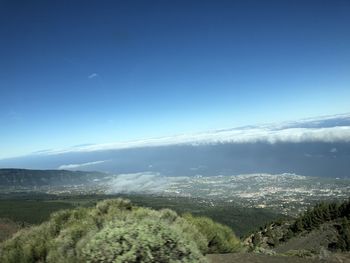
(316, 147)
(331, 129)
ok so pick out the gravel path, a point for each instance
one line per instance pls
(257, 258)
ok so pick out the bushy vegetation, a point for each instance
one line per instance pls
(116, 231)
(220, 238)
(143, 241)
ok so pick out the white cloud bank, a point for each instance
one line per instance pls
(78, 165)
(252, 134)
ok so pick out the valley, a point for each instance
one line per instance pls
(245, 202)
(286, 194)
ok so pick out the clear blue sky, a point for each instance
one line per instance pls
(75, 72)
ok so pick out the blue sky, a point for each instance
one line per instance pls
(76, 72)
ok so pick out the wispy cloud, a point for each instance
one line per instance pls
(93, 75)
(78, 165)
(138, 182)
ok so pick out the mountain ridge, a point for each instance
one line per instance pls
(31, 178)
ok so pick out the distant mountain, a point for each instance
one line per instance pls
(312, 147)
(30, 178)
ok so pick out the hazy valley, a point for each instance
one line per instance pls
(287, 194)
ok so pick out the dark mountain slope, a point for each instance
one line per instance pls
(326, 227)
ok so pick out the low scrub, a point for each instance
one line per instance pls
(220, 238)
(116, 231)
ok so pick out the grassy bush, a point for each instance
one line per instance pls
(142, 241)
(220, 238)
(112, 231)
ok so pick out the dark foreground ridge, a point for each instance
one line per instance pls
(320, 232)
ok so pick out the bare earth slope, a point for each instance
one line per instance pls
(313, 241)
(260, 258)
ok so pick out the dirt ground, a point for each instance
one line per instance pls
(258, 258)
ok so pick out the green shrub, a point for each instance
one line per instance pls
(112, 231)
(28, 245)
(220, 238)
(142, 241)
